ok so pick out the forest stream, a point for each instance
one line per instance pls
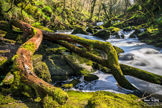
(136, 54)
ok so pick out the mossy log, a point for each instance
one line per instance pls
(111, 62)
(141, 74)
(22, 64)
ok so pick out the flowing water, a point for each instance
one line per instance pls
(137, 54)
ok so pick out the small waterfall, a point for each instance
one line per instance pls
(127, 34)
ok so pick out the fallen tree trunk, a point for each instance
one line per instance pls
(111, 62)
(127, 70)
(22, 65)
(141, 74)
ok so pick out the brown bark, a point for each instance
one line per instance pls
(23, 63)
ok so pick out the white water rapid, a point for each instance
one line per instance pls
(137, 54)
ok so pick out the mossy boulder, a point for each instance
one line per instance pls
(40, 68)
(42, 71)
(59, 78)
(118, 24)
(118, 50)
(36, 58)
(127, 29)
(90, 29)
(72, 62)
(58, 66)
(71, 84)
(90, 77)
(132, 36)
(103, 99)
(104, 34)
(99, 27)
(79, 30)
(107, 24)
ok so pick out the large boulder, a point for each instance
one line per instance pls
(79, 30)
(58, 66)
(90, 77)
(40, 68)
(104, 34)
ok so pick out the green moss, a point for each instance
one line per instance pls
(36, 58)
(104, 34)
(49, 102)
(79, 30)
(2, 60)
(5, 26)
(118, 50)
(90, 29)
(56, 50)
(71, 84)
(42, 28)
(29, 46)
(42, 71)
(141, 74)
(47, 10)
(90, 77)
(8, 80)
(6, 99)
(103, 99)
(2, 33)
(4, 51)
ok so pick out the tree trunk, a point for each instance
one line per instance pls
(23, 64)
(92, 8)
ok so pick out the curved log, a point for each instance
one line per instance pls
(23, 64)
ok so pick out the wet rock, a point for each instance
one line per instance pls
(126, 29)
(58, 66)
(42, 71)
(132, 36)
(138, 63)
(118, 50)
(149, 51)
(126, 56)
(104, 34)
(98, 27)
(36, 58)
(90, 77)
(71, 84)
(79, 30)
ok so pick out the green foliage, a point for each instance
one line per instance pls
(47, 10)
(134, 8)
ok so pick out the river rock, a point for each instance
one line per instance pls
(40, 68)
(71, 84)
(125, 29)
(98, 27)
(126, 56)
(104, 34)
(90, 77)
(138, 63)
(79, 30)
(58, 66)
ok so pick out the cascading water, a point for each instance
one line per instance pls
(136, 54)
